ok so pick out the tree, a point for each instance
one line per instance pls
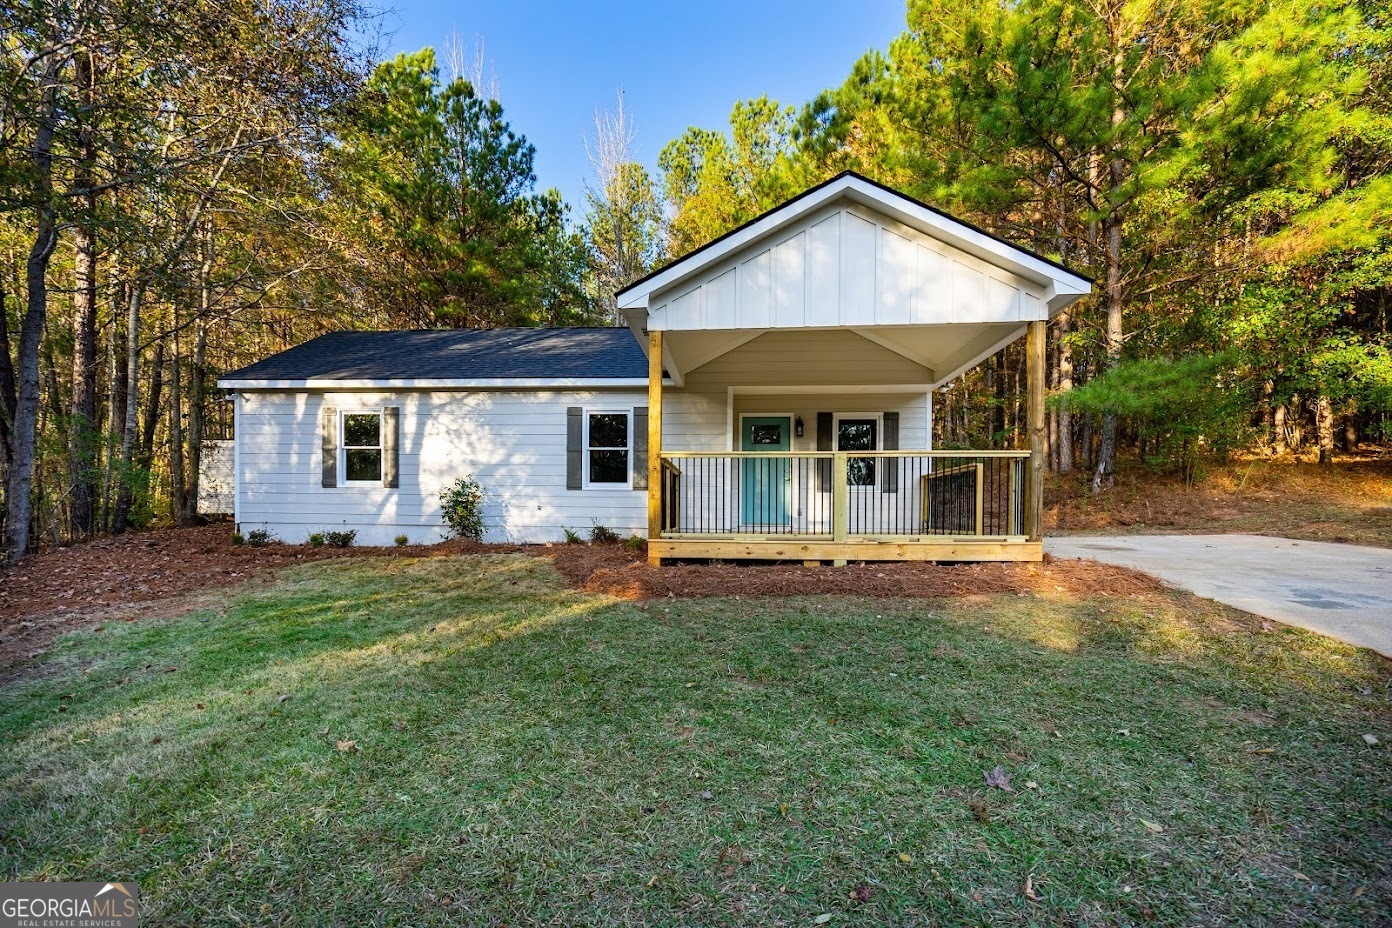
(433, 174)
(623, 219)
(713, 183)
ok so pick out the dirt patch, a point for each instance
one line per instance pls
(158, 574)
(619, 572)
(1350, 501)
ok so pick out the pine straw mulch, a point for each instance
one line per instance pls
(152, 575)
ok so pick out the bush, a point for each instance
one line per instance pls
(402, 541)
(603, 536)
(572, 537)
(1188, 409)
(462, 504)
(636, 543)
(342, 539)
(259, 537)
(316, 539)
(238, 538)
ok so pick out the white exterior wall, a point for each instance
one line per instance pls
(514, 443)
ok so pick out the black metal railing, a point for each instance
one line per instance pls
(844, 495)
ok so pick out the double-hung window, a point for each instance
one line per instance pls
(608, 444)
(362, 447)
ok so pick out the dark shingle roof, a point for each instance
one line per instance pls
(457, 354)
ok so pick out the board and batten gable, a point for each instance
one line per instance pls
(846, 265)
(513, 442)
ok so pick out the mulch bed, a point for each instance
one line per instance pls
(56, 591)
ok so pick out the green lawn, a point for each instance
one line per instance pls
(467, 741)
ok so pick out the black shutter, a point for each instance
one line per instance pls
(328, 445)
(639, 458)
(825, 442)
(391, 446)
(575, 454)
(889, 441)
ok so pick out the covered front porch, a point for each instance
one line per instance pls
(835, 473)
(792, 365)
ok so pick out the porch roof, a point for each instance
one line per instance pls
(852, 254)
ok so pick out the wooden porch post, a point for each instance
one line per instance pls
(1036, 425)
(654, 445)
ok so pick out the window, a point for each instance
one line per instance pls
(606, 448)
(362, 447)
(858, 435)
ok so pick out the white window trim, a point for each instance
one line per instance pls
(585, 448)
(343, 480)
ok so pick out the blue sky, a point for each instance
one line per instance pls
(679, 64)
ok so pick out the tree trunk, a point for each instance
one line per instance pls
(1278, 429)
(19, 484)
(82, 421)
(1350, 433)
(197, 385)
(1105, 474)
(120, 519)
(1268, 414)
(7, 390)
(1324, 422)
(115, 400)
(1065, 383)
(176, 426)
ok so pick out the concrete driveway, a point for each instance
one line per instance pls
(1344, 591)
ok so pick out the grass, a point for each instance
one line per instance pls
(468, 741)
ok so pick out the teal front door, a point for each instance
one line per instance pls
(764, 483)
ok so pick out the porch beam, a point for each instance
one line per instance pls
(655, 357)
(1035, 426)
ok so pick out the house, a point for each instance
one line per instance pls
(771, 397)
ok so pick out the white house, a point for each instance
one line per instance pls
(771, 397)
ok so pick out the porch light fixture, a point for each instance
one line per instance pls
(797, 426)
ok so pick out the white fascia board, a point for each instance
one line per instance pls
(972, 241)
(493, 383)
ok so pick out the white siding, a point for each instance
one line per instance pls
(514, 443)
(846, 266)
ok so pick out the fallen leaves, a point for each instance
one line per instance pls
(1370, 740)
(999, 779)
(1151, 827)
(344, 746)
(1030, 894)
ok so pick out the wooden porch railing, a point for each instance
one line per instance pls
(844, 496)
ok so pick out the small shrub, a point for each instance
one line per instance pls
(635, 543)
(402, 541)
(238, 538)
(316, 539)
(462, 505)
(342, 539)
(601, 535)
(259, 537)
(572, 537)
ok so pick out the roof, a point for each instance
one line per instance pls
(849, 184)
(453, 356)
